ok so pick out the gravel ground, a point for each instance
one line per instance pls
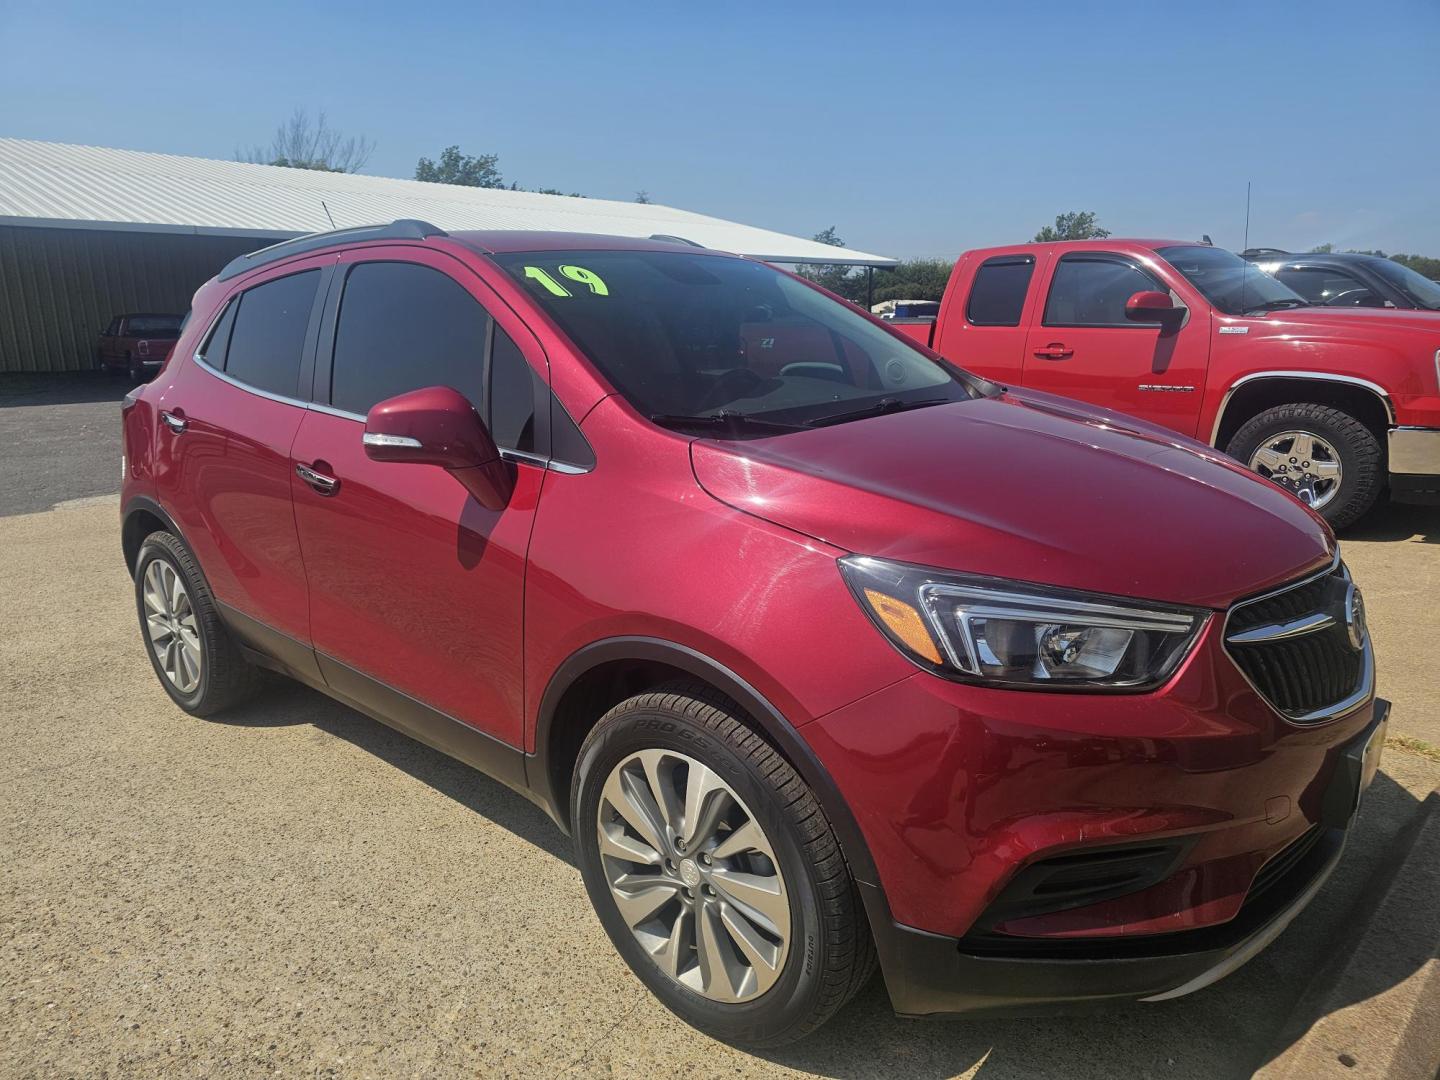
(297, 890)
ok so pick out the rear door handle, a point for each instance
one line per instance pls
(1056, 350)
(325, 485)
(174, 422)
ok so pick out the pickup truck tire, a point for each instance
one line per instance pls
(680, 760)
(1340, 442)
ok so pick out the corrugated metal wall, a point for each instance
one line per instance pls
(60, 287)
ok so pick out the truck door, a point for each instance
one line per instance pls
(1083, 346)
(982, 323)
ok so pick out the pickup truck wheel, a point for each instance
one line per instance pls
(1321, 455)
(714, 871)
(198, 664)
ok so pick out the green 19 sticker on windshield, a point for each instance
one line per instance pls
(578, 274)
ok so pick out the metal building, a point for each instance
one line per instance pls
(87, 232)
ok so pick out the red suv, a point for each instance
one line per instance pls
(823, 649)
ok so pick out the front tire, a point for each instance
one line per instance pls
(197, 663)
(714, 871)
(1322, 455)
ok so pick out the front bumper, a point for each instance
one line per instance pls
(930, 973)
(1415, 464)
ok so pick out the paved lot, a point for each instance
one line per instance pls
(61, 439)
(297, 890)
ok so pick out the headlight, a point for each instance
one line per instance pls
(1015, 634)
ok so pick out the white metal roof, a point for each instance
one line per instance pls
(59, 185)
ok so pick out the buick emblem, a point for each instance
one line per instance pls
(1355, 618)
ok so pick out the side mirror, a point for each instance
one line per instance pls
(1153, 306)
(439, 426)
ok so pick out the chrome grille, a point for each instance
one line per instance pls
(1297, 646)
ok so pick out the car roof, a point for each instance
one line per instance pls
(504, 241)
(1341, 257)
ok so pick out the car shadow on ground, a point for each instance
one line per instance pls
(285, 703)
(1229, 1029)
(1397, 521)
(81, 388)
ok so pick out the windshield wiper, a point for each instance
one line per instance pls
(726, 418)
(884, 405)
(1279, 305)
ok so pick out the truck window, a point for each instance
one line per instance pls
(998, 295)
(1091, 290)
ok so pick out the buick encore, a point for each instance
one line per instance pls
(827, 653)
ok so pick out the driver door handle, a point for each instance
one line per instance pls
(325, 485)
(1056, 350)
(175, 422)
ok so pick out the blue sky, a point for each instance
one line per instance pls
(914, 129)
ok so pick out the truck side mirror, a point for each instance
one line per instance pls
(1153, 306)
(439, 426)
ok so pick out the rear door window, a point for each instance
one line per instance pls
(1091, 290)
(998, 295)
(267, 340)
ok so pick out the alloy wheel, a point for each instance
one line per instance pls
(693, 875)
(1303, 463)
(172, 627)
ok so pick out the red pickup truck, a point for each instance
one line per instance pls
(1333, 404)
(137, 344)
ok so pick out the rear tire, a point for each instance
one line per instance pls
(1337, 435)
(819, 956)
(192, 653)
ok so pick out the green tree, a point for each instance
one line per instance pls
(480, 170)
(836, 277)
(914, 279)
(301, 143)
(1076, 225)
(1322, 249)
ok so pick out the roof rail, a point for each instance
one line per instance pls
(404, 229)
(675, 239)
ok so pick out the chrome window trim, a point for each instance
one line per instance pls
(268, 395)
(1317, 376)
(506, 454)
(1341, 708)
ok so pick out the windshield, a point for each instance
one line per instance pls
(1228, 281)
(1420, 290)
(155, 325)
(697, 338)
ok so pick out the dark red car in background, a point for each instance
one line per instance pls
(137, 344)
(823, 649)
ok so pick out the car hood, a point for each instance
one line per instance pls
(1028, 486)
(1350, 322)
